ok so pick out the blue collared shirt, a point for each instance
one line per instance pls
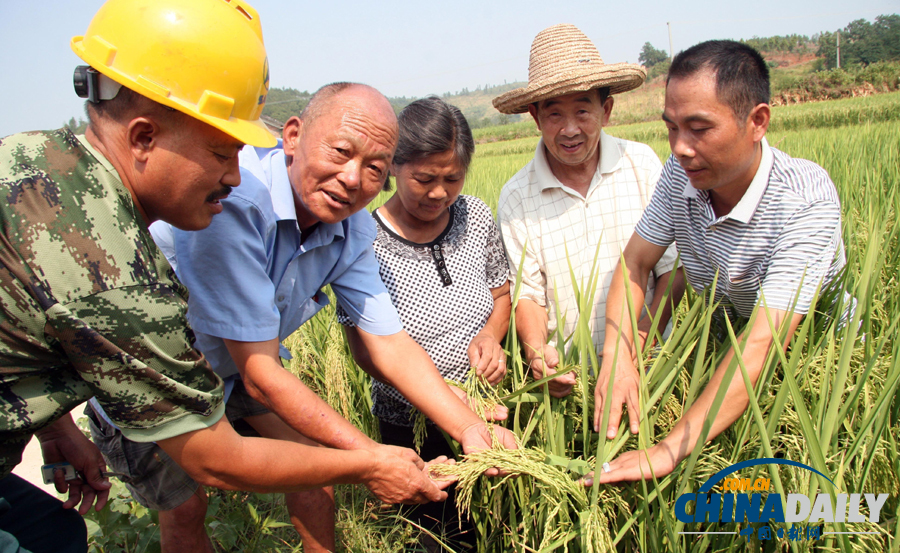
(251, 280)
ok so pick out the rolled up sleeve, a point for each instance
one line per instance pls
(133, 348)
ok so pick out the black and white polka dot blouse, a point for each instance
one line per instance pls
(442, 291)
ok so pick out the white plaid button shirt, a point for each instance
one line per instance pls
(556, 226)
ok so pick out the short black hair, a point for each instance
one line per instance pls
(432, 126)
(125, 106)
(742, 76)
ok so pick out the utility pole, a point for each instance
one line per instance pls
(838, 49)
(671, 48)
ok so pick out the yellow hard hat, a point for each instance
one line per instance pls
(203, 57)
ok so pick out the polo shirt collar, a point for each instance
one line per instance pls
(610, 157)
(282, 191)
(745, 208)
(545, 177)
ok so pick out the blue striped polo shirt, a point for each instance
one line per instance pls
(782, 238)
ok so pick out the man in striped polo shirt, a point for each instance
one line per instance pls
(767, 224)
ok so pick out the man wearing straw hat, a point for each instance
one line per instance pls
(567, 215)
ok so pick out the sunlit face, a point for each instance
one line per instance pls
(427, 187)
(715, 149)
(340, 160)
(570, 126)
(189, 170)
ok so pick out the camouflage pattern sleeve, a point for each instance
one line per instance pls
(132, 346)
(88, 304)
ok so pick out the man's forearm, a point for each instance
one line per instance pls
(64, 425)
(657, 303)
(307, 413)
(408, 368)
(618, 317)
(284, 394)
(531, 327)
(684, 436)
(219, 457)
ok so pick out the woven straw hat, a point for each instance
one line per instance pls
(563, 60)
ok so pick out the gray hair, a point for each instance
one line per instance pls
(320, 98)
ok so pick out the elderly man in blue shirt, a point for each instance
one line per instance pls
(256, 275)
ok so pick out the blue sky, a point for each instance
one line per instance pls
(403, 48)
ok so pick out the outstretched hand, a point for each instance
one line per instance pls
(478, 437)
(625, 390)
(441, 481)
(404, 453)
(641, 464)
(395, 479)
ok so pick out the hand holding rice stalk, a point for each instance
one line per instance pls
(550, 477)
(477, 393)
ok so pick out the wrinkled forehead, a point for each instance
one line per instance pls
(371, 127)
(586, 98)
(360, 114)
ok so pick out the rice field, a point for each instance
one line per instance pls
(828, 402)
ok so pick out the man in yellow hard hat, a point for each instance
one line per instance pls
(89, 307)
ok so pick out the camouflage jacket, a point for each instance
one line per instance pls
(88, 304)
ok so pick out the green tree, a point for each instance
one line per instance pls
(778, 43)
(651, 56)
(863, 42)
(283, 103)
(76, 126)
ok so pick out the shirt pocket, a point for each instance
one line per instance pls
(309, 307)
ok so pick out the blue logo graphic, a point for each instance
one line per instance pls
(742, 501)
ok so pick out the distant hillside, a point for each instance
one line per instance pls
(283, 103)
(796, 62)
(476, 105)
